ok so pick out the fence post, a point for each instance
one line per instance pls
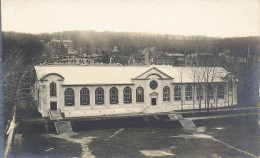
(10, 133)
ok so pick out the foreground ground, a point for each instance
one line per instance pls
(228, 137)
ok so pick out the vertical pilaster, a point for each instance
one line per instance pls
(183, 94)
(133, 88)
(107, 95)
(92, 96)
(77, 97)
(120, 96)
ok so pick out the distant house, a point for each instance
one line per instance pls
(174, 59)
(67, 44)
(79, 91)
(201, 59)
(151, 55)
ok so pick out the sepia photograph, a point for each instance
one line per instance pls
(130, 79)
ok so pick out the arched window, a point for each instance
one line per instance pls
(210, 92)
(230, 86)
(127, 95)
(84, 96)
(99, 96)
(220, 92)
(139, 94)
(188, 93)
(69, 97)
(53, 92)
(177, 93)
(113, 95)
(199, 92)
(166, 93)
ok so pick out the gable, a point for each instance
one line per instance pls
(153, 72)
(52, 75)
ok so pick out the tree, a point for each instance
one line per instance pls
(18, 78)
(105, 58)
(181, 69)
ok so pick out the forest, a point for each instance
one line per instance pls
(89, 42)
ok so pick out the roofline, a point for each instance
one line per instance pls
(155, 69)
(197, 82)
(97, 84)
(43, 77)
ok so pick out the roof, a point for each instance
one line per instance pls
(175, 54)
(84, 75)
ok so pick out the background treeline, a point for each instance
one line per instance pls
(129, 43)
(90, 42)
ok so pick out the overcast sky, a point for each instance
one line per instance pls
(223, 18)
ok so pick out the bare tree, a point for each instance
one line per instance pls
(193, 76)
(181, 86)
(18, 77)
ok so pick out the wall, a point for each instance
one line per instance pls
(121, 107)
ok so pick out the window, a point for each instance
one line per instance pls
(199, 92)
(153, 84)
(166, 93)
(113, 95)
(84, 96)
(188, 93)
(69, 97)
(53, 89)
(139, 94)
(127, 95)
(210, 92)
(220, 92)
(177, 93)
(99, 96)
(230, 86)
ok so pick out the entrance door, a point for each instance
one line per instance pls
(53, 106)
(153, 101)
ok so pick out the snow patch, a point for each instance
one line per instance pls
(201, 129)
(219, 128)
(156, 153)
(118, 131)
(84, 142)
(194, 136)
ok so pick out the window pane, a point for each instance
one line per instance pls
(113, 95)
(53, 89)
(211, 92)
(127, 95)
(166, 93)
(69, 97)
(139, 94)
(188, 93)
(84, 96)
(177, 93)
(221, 92)
(199, 92)
(99, 96)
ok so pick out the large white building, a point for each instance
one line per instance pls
(78, 90)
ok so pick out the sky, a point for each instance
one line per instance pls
(217, 18)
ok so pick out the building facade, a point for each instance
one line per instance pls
(78, 90)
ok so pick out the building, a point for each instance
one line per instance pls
(77, 59)
(67, 45)
(79, 90)
(174, 59)
(151, 55)
(201, 59)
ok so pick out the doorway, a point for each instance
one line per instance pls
(53, 106)
(153, 101)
